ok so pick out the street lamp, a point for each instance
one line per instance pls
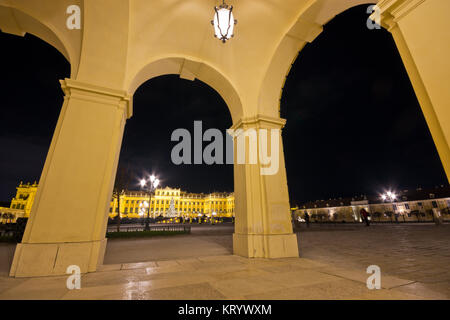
(149, 185)
(223, 22)
(391, 197)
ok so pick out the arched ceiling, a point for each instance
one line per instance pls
(191, 69)
(45, 19)
(119, 39)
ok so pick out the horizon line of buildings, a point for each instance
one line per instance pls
(134, 204)
(409, 205)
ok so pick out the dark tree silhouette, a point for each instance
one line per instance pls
(122, 183)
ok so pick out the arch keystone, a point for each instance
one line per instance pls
(189, 69)
(305, 31)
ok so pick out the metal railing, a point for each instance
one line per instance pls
(166, 228)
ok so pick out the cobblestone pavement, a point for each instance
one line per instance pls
(213, 277)
(414, 261)
(166, 248)
(416, 252)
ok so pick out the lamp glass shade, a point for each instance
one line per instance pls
(224, 23)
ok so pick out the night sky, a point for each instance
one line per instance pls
(354, 125)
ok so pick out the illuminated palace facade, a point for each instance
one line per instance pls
(420, 205)
(21, 204)
(134, 204)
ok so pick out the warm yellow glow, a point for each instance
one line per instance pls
(189, 205)
(224, 22)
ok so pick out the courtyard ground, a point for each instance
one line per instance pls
(204, 240)
(414, 261)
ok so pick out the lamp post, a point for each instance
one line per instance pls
(223, 22)
(390, 197)
(149, 185)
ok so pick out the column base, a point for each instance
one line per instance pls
(49, 259)
(270, 246)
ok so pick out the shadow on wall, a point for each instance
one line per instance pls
(6, 257)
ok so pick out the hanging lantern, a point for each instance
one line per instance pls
(223, 22)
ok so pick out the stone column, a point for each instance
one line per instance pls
(263, 227)
(68, 220)
(420, 31)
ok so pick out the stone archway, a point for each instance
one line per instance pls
(113, 53)
(307, 26)
(190, 69)
(401, 18)
(19, 19)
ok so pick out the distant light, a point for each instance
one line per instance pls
(152, 178)
(142, 183)
(156, 182)
(390, 196)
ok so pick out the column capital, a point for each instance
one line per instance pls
(259, 121)
(393, 11)
(86, 91)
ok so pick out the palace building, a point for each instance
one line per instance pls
(24, 197)
(21, 204)
(134, 204)
(420, 205)
(410, 206)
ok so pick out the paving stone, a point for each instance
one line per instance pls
(413, 260)
(42, 288)
(139, 265)
(201, 291)
(410, 252)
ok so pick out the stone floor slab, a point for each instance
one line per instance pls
(413, 260)
(200, 291)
